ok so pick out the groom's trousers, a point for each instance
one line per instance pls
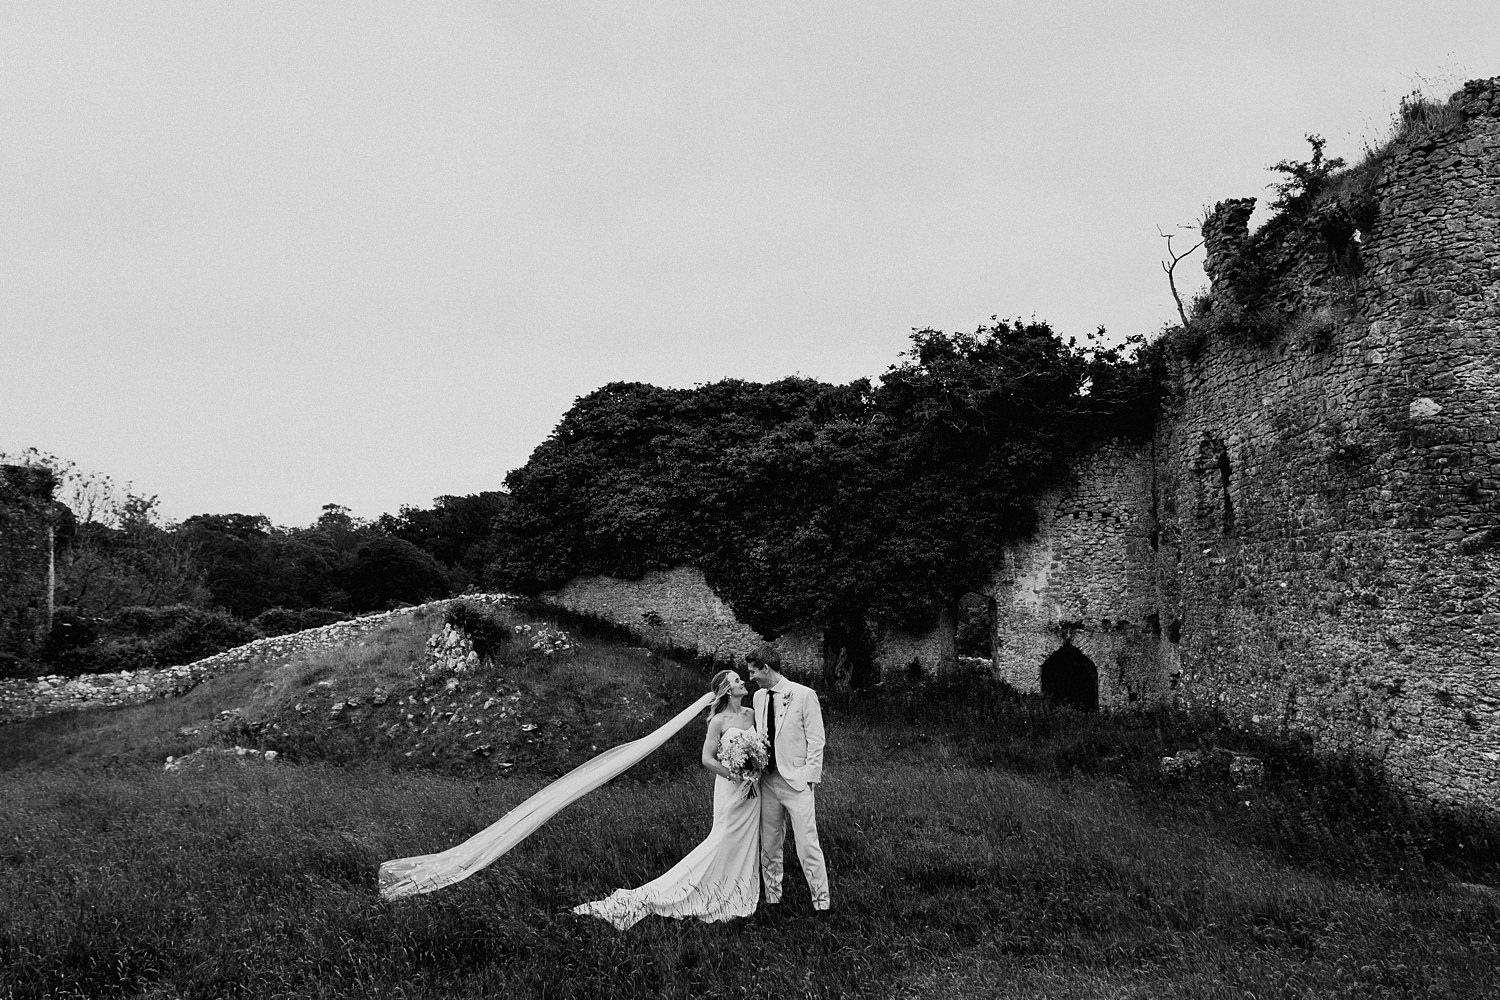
(780, 805)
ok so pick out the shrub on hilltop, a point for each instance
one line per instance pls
(143, 638)
(284, 621)
(389, 571)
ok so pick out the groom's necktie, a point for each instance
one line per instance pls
(771, 728)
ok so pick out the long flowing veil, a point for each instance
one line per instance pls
(428, 872)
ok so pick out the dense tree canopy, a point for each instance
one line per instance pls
(389, 572)
(456, 531)
(131, 591)
(808, 502)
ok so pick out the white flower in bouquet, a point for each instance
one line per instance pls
(745, 753)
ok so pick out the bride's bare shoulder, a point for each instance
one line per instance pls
(721, 721)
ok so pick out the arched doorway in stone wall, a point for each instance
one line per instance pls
(1070, 677)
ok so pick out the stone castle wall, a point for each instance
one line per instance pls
(678, 608)
(1321, 504)
(1331, 503)
(901, 656)
(25, 560)
(1084, 580)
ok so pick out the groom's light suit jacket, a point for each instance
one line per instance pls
(799, 731)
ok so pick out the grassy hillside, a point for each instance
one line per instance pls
(369, 703)
(980, 844)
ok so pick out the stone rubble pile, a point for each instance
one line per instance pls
(26, 698)
(206, 757)
(1243, 770)
(452, 653)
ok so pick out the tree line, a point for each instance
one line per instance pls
(132, 591)
(851, 507)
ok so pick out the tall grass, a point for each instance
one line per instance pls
(1337, 814)
(975, 850)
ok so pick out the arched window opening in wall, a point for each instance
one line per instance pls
(976, 626)
(1070, 677)
(1224, 471)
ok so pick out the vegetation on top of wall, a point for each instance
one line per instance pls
(284, 621)
(1350, 191)
(1322, 189)
(1321, 205)
(1419, 119)
(1304, 179)
(832, 504)
(141, 638)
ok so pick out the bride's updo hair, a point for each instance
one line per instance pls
(720, 687)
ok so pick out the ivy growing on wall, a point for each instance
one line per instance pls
(805, 502)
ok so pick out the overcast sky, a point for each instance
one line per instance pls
(258, 257)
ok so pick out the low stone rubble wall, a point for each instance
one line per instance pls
(205, 758)
(27, 698)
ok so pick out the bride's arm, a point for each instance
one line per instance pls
(711, 747)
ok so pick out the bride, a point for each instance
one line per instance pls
(720, 878)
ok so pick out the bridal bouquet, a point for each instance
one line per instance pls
(746, 754)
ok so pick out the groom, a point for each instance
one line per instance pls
(789, 715)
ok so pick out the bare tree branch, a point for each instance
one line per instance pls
(1169, 268)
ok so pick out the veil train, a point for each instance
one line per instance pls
(428, 872)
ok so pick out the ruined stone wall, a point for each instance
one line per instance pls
(1085, 579)
(1330, 501)
(25, 560)
(902, 656)
(1312, 541)
(678, 608)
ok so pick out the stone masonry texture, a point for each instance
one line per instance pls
(1310, 543)
(1084, 578)
(678, 608)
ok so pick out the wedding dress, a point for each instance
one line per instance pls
(718, 880)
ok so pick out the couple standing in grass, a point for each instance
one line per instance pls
(718, 880)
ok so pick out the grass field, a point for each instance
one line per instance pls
(980, 845)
